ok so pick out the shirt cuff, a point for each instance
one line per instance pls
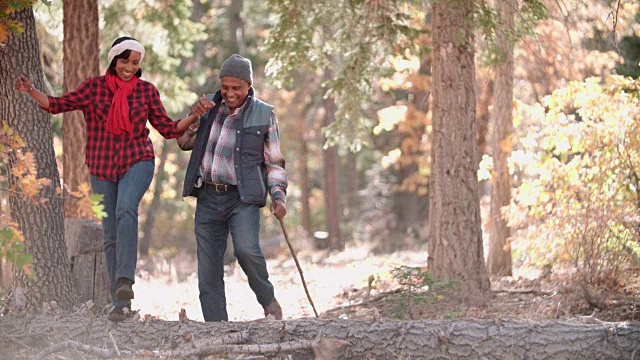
(278, 194)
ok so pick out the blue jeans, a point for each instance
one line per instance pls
(120, 227)
(217, 214)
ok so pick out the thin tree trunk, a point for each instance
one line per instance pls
(81, 61)
(350, 180)
(154, 207)
(41, 224)
(331, 178)
(305, 184)
(236, 26)
(455, 235)
(499, 260)
(484, 100)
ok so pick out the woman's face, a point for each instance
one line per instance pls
(234, 91)
(126, 68)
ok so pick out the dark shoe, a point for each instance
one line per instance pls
(273, 309)
(120, 313)
(124, 291)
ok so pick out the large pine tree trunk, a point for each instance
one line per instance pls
(367, 339)
(42, 225)
(455, 235)
(81, 61)
(499, 260)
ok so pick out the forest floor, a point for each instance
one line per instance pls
(357, 284)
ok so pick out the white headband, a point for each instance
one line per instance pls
(124, 46)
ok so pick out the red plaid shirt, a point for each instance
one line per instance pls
(110, 156)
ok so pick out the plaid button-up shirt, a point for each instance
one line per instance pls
(109, 156)
(218, 164)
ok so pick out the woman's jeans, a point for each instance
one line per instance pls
(217, 214)
(120, 227)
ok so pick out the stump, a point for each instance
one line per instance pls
(84, 241)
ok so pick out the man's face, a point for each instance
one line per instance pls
(234, 91)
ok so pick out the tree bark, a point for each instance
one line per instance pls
(366, 339)
(331, 178)
(455, 235)
(81, 61)
(41, 224)
(499, 259)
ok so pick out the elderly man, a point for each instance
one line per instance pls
(235, 162)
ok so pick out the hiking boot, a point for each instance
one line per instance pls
(120, 313)
(124, 291)
(273, 309)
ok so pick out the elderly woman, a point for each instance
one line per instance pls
(119, 153)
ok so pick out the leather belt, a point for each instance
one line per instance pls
(220, 187)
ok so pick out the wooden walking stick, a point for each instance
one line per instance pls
(295, 258)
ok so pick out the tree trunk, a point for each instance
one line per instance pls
(305, 184)
(331, 178)
(499, 259)
(236, 27)
(41, 224)
(350, 179)
(364, 339)
(81, 61)
(154, 207)
(455, 235)
(484, 100)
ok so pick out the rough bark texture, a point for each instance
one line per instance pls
(331, 179)
(81, 60)
(499, 259)
(385, 339)
(85, 243)
(455, 236)
(42, 225)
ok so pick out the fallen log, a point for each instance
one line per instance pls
(306, 338)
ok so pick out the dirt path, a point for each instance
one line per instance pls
(172, 286)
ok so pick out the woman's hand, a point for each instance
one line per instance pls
(202, 106)
(22, 84)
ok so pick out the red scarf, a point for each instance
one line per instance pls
(118, 120)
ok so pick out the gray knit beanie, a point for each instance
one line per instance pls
(238, 67)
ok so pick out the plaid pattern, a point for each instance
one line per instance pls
(109, 156)
(218, 165)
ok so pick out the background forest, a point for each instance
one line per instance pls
(357, 124)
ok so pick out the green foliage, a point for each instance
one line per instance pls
(350, 42)
(97, 206)
(530, 13)
(579, 199)
(9, 26)
(630, 50)
(420, 287)
(167, 33)
(12, 247)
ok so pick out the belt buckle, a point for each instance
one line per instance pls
(220, 187)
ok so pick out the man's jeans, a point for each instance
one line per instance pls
(217, 213)
(120, 227)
